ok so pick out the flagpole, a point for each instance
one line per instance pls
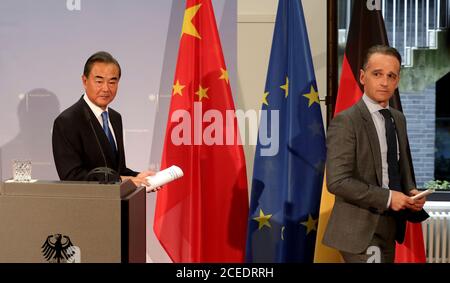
(332, 58)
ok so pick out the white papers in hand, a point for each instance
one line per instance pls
(423, 194)
(163, 177)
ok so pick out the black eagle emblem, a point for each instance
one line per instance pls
(57, 248)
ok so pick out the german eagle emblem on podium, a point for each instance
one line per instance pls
(57, 249)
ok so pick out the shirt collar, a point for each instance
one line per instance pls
(372, 105)
(97, 110)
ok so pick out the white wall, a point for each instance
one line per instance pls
(256, 19)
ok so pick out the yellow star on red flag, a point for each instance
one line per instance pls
(188, 27)
(178, 88)
(224, 75)
(202, 93)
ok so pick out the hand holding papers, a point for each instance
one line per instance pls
(423, 194)
(163, 177)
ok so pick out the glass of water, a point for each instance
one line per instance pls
(22, 170)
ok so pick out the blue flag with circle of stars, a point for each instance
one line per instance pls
(287, 180)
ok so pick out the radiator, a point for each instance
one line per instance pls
(436, 232)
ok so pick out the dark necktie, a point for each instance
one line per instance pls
(108, 131)
(391, 140)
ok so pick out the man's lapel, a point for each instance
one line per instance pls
(369, 127)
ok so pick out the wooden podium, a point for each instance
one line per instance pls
(46, 221)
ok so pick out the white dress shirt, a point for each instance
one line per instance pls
(98, 114)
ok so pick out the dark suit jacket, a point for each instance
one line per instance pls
(75, 149)
(354, 176)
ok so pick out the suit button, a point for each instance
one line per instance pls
(373, 210)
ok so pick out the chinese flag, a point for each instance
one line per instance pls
(366, 29)
(201, 217)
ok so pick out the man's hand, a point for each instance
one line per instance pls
(400, 201)
(140, 179)
(418, 203)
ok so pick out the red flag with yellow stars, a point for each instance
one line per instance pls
(201, 217)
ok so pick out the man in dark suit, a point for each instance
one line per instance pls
(89, 134)
(368, 168)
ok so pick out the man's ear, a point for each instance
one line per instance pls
(84, 80)
(362, 76)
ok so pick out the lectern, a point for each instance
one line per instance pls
(47, 221)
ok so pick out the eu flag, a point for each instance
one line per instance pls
(290, 154)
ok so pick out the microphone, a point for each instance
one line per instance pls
(106, 171)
